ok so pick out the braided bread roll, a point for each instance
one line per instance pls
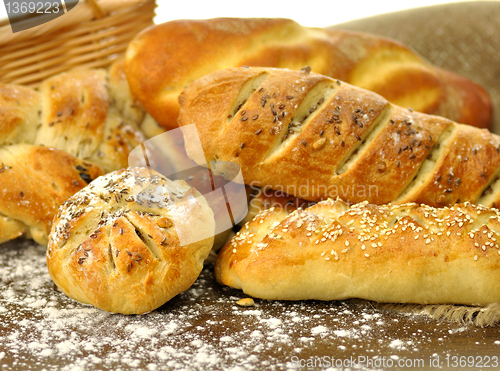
(390, 253)
(315, 138)
(88, 115)
(162, 60)
(130, 241)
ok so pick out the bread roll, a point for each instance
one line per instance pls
(315, 138)
(75, 112)
(391, 253)
(163, 59)
(85, 114)
(34, 182)
(130, 241)
(262, 199)
(221, 203)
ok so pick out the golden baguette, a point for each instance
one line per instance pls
(315, 138)
(391, 253)
(163, 59)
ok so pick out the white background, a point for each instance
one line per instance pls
(313, 13)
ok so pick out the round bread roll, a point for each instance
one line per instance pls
(130, 241)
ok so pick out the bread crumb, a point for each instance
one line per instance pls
(245, 302)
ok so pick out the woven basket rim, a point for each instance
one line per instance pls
(87, 11)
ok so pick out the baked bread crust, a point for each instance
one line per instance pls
(35, 181)
(71, 112)
(163, 59)
(130, 241)
(316, 138)
(262, 199)
(390, 253)
(85, 114)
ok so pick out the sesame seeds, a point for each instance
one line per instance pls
(362, 230)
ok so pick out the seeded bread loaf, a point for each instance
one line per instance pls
(130, 241)
(315, 138)
(79, 112)
(162, 60)
(90, 118)
(391, 253)
(263, 199)
(34, 182)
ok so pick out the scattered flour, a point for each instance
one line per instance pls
(42, 329)
(319, 330)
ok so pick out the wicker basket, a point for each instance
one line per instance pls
(91, 35)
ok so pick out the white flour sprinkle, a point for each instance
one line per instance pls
(319, 330)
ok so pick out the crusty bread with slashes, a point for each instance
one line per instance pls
(390, 253)
(34, 182)
(80, 112)
(163, 59)
(315, 138)
(92, 120)
(130, 241)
